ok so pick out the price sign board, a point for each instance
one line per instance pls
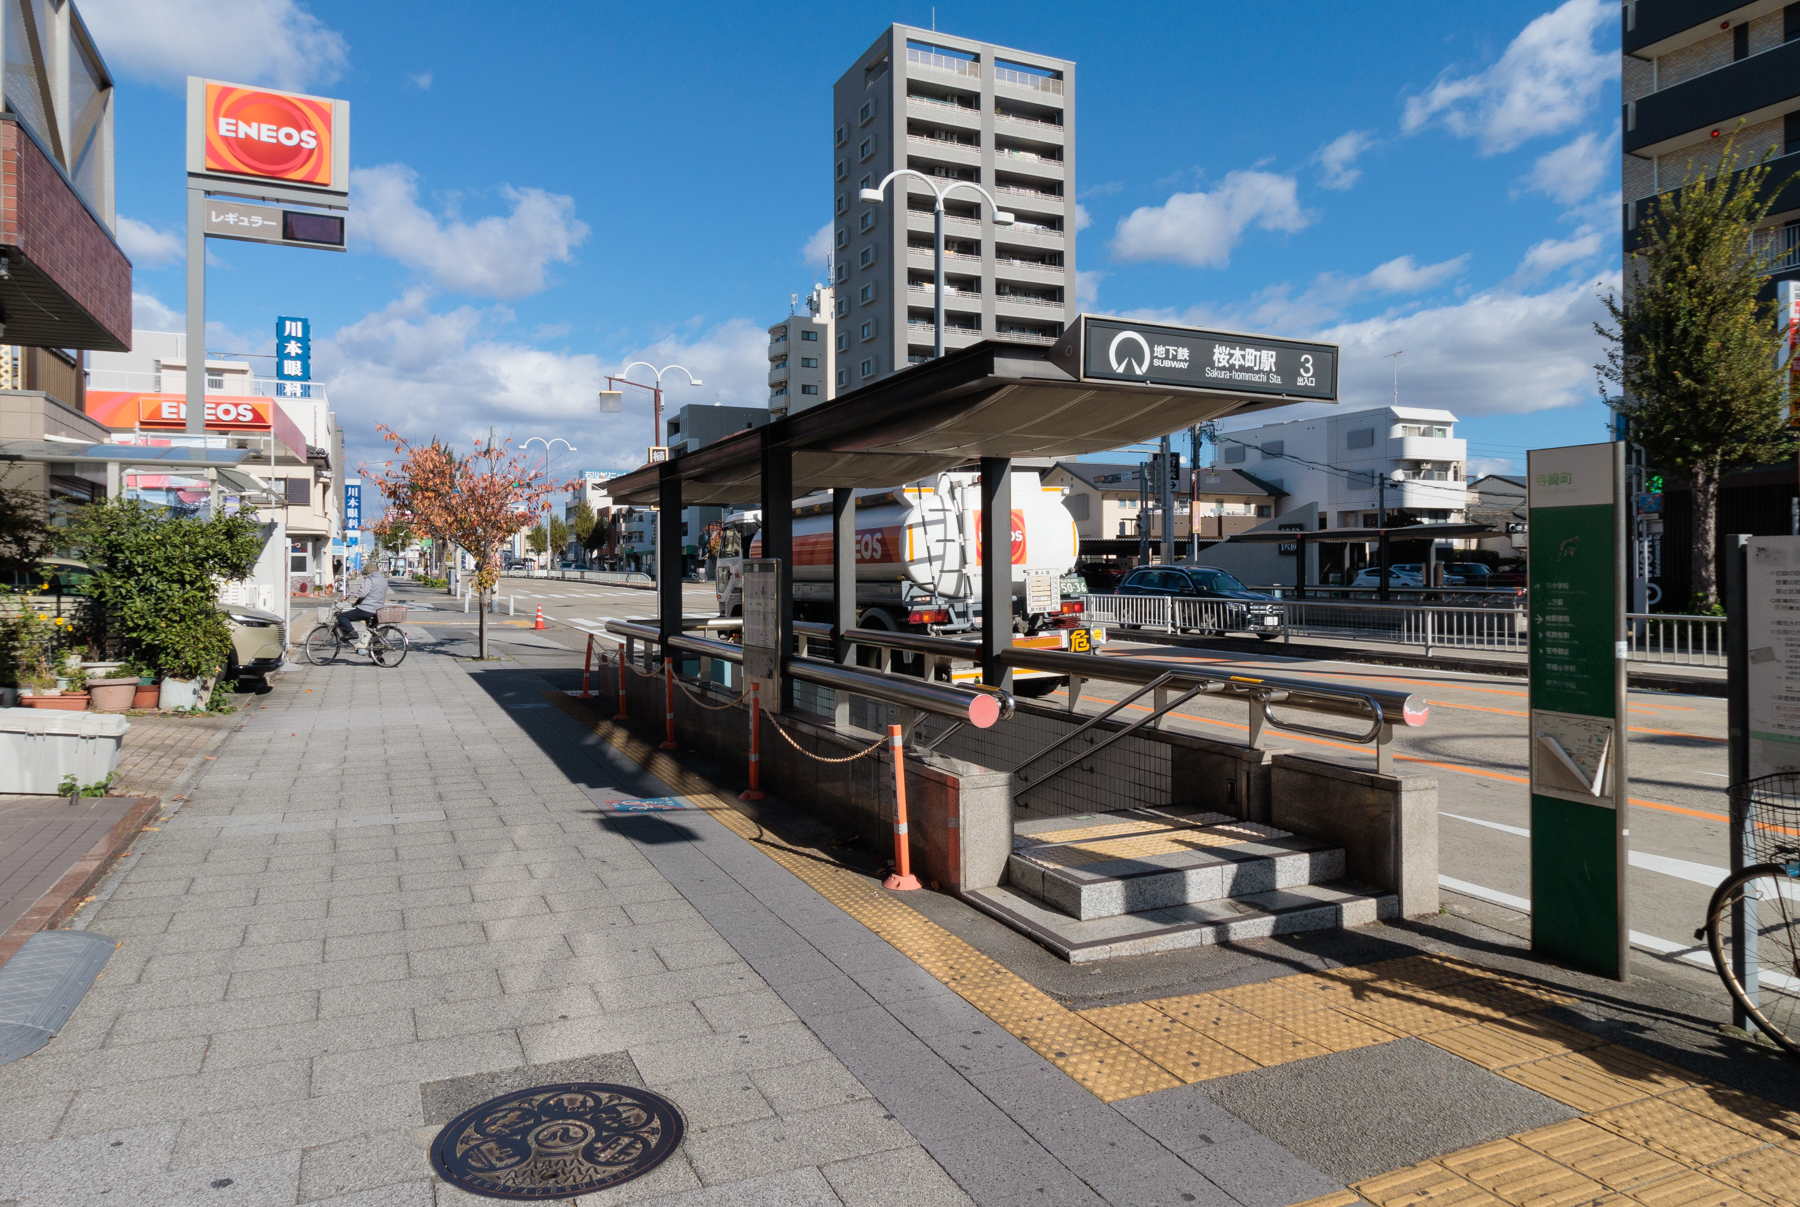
(1579, 791)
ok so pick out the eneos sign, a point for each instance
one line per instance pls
(233, 414)
(234, 130)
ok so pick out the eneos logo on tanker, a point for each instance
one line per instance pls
(277, 135)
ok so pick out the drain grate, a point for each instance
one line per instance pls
(557, 1141)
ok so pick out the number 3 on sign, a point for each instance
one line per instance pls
(1306, 371)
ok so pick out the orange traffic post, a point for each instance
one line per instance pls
(587, 661)
(754, 792)
(902, 877)
(540, 618)
(619, 656)
(669, 742)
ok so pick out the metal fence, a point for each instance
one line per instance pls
(635, 578)
(1653, 637)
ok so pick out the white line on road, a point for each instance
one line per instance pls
(1682, 951)
(1681, 869)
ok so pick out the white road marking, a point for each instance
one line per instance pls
(1681, 869)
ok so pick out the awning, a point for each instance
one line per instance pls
(161, 456)
(1409, 532)
(992, 399)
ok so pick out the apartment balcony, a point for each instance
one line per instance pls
(1027, 306)
(778, 375)
(1012, 333)
(1753, 89)
(1011, 158)
(1036, 196)
(1427, 448)
(1038, 125)
(1009, 268)
(945, 170)
(174, 381)
(1781, 244)
(918, 61)
(951, 149)
(1032, 234)
(962, 226)
(953, 297)
(944, 111)
(1024, 80)
(922, 257)
(955, 335)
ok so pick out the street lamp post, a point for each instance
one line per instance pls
(547, 444)
(656, 436)
(1001, 218)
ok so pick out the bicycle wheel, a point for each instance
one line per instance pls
(323, 644)
(1771, 895)
(389, 646)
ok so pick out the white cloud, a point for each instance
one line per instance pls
(1083, 219)
(1405, 275)
(1087, 289)
(1279, 308)
(816, 248)
(149, 314)
(148, 246)
(1200, 229)
(490, 257)
(1543, 84)
(257, 41)
(427, 373)
(422, 81)
(1573, 171)
(1551, 254)
(1481, 466)
(1338, 159)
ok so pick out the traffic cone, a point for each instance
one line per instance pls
(540, 618)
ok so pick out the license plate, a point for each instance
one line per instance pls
(1271, 621)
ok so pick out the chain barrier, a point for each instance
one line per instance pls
(871, 749)
(688, 692)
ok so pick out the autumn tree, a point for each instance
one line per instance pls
(477, 502)
(1693, 363)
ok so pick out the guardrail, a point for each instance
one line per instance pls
(633, 578)
(1681, 640)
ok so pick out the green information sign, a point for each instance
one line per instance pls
(1579, 823)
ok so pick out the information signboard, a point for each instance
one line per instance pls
(762, 628)
(1579, 822)
(1117, 350)
(1772, 623)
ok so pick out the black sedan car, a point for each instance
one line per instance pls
(1243, 610)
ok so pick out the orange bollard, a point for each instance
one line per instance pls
(669, 743)
(902, 877)
(755, 790)
(620, 659)
(540, 618)
(587, 659)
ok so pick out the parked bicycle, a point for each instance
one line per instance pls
(387, 640)
(1755, 914)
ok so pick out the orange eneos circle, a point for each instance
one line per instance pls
(276, 135)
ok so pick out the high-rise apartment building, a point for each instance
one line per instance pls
(953, 110)
(1692, 71)
(801, 366)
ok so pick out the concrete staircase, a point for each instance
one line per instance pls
(1101, 885)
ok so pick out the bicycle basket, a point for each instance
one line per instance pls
(391, 614)
(324, 615)
(1769, 808)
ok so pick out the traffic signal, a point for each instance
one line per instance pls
(1653, 484)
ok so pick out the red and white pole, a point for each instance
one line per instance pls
(902, 877)
(754, 792)
(587, 661)
(619, 658)
(669, 742)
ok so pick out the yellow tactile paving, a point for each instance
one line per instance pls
(1511, 1041)
(1407, 1016)
(1131, 847)
(1664, 1127)
(1199, 1010)
(1106, 831)
(1334, 1030)
(1770, 1174)
(1134, 1022)
(1597, 1079)
(1604, 1156)
(1340, 1198)
(1264, 1042)
(1691, 1189)
(1759, 1117)
(1268, 999)
(1521, 1176)
(1192, 1057)
(1425, 1185)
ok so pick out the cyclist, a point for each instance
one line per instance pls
(365, 595)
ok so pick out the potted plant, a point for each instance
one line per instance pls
(113, 690)
(143, 674)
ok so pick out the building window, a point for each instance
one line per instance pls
(1265, 509)
(1362, 437)
(865, 182)
(868, 293)
(868, 367)
(866, 113)
(843, 170)
(843, 238)
(867, 330)
(843, 270)
(843, 135)
(809, 337)
(1235, 453)
(868, 256)
(843, 341)
(809, 362)
(866, 149)
(866, 221)
(843, 307)
(843, 377)
(843, 203)
(809, 389)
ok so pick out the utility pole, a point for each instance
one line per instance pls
(1143, 518)
(1194, 494)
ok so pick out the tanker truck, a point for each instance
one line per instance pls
(918, 565)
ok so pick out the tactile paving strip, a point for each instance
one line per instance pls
(1655, 1137)
(1177, 842)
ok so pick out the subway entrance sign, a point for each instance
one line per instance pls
(1579, 787)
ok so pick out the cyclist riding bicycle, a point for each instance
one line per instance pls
(365, 596)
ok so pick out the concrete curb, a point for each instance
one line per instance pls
(64, 897)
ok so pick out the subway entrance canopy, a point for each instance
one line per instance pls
(1107, 382)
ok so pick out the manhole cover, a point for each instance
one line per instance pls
(557, 1141)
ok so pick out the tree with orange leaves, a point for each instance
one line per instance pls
(476, 502)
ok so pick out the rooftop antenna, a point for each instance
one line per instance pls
(793, 303)
(934, 18)
(1395, 357)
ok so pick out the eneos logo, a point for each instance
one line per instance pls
(278, 135)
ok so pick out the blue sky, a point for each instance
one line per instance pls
(544, 192)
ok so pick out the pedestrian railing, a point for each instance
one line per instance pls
(633, 578)
(1682, 640)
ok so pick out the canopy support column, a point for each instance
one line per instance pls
(995, 543)
(668, 555)
(843, 585)
(778, 542)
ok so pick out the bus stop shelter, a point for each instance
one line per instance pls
(1382, 537)
(1106, 383)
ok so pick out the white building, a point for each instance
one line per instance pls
(801, 360)
(1350, 464)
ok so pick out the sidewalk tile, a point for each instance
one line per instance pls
(880, 1178)
(833, 1133)
(365, 1162)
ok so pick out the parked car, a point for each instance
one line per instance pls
(1369, 577)
(1260, 613)
(1467, 574)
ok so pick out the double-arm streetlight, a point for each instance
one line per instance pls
(1001, 218)
(656, 436)
(547, 443)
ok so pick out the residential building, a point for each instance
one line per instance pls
(952, 109)
(1498, 501)
(1104, 499)
(1351, 466)
(801, 356)
(1692, 70)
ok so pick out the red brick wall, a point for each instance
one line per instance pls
(42, 217)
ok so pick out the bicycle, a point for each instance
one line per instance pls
(1757, 910)
(387, 641)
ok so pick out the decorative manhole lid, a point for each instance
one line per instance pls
(557, 1141)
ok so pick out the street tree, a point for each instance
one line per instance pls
(559, 536)
(581, 522)
(477, 502)
(414, 490)
(1693, 361)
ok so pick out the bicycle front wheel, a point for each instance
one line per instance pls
(323, 644)
(389, 646)
(1767, 901)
